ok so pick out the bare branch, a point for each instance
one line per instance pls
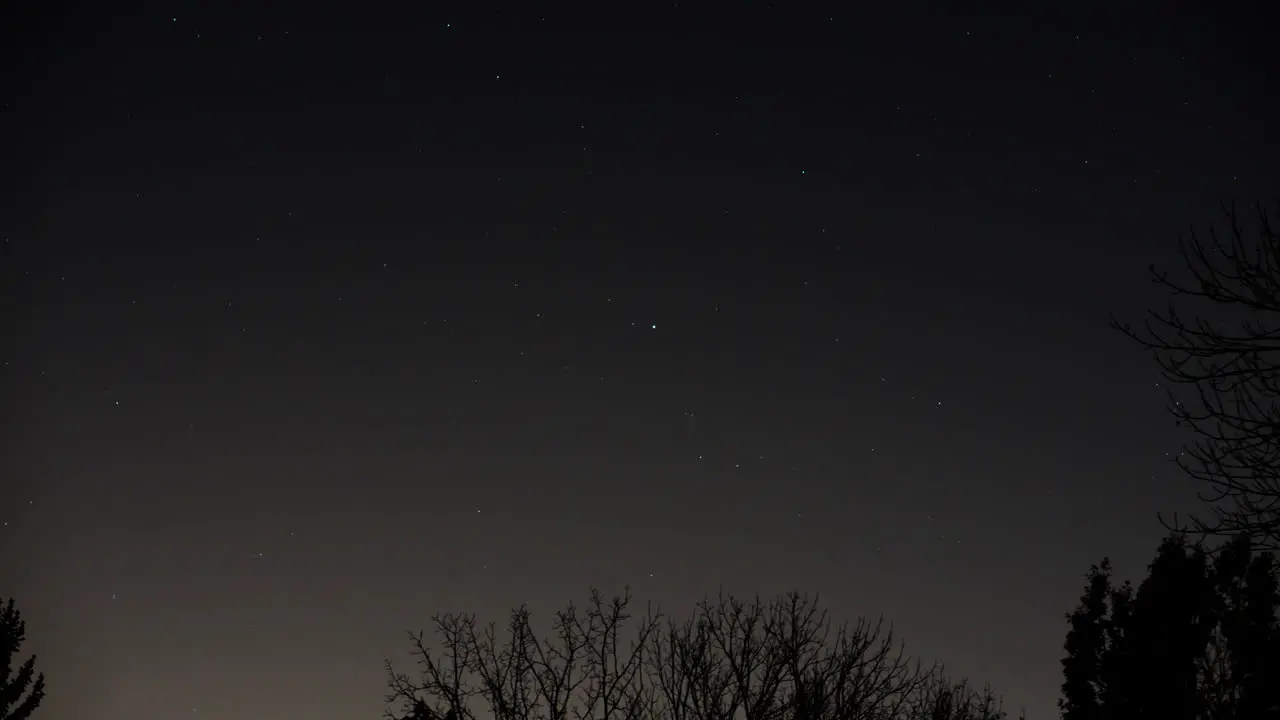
(1233, 368)
(733, 660)
(942, 698)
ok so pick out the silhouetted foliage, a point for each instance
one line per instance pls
(1197, 640)
(20, 692)
(1234, 368)
(784, 660)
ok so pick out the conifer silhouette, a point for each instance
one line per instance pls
(1196, 639)
(20, 691)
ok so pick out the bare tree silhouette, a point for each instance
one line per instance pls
(1234, 368)
(942, 698)
(732, 660)
(584, 670)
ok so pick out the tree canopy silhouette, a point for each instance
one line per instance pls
(1197, 640)
(20, 692)
(1232, 360)
(782, 660)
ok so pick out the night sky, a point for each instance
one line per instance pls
(321, 321)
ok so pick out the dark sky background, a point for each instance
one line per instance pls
(322, 320)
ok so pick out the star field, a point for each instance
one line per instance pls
(325, 322)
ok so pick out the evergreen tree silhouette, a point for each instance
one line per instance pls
(1168, 635)
(1083, 686)
(1116, 666)
(20, 692)
(1248, 600)
(1194, 641)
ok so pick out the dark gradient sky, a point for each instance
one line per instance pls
(322, 321)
